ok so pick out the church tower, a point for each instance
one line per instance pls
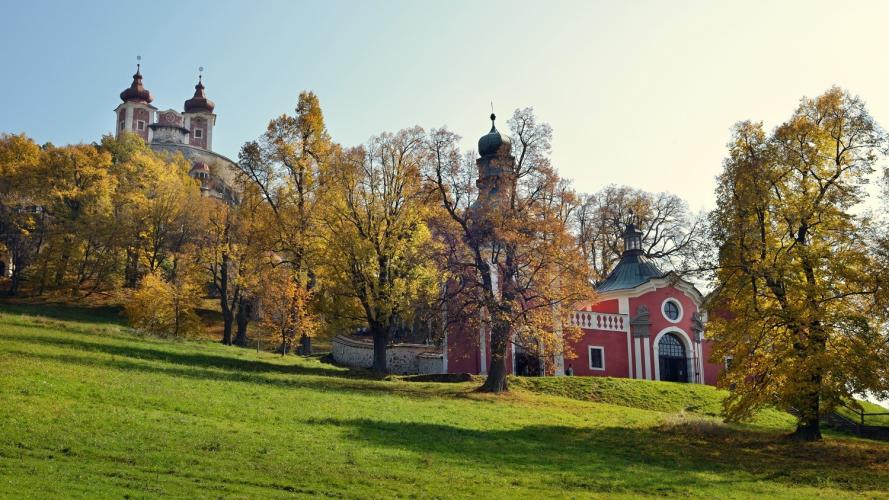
(136, 113)
(496, 176)
(199, 118)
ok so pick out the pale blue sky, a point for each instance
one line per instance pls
(638, 93)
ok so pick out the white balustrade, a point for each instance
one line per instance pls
(601, 321)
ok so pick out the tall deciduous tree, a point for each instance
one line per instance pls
(799, 303)
(520, 270)
(287, 165)
(377, 245)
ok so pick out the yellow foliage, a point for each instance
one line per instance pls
(162, 307)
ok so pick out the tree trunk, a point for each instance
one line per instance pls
(496, 380)
(227, 315)
(15, 278)
(243, 318)
(381, 342)
(131, 270)
(227, 321)
(305, 345)
(808, 429)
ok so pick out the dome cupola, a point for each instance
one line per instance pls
(634, 267)
(136, 92)
(199, 103)
(492, 142)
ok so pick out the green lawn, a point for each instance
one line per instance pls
(89, 409)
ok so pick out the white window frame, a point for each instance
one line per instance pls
(590, 357)
(140, 125)
(678, 305)
(123, 124)
(198, 133)
(726, 361)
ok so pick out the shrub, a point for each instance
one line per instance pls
(162, 307)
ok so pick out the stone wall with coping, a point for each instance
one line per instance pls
(401, 359)
(430, 363)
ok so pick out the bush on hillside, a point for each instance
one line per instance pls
(162, 307)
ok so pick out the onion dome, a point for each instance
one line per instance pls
(136, 92)
(490, 143)
(634, 267)
(199, 103)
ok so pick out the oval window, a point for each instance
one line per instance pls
(671, 310)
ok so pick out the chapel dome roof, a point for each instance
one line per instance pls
(634, 268)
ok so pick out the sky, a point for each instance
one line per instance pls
(641, 93)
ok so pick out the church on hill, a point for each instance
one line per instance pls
(189, 132)
(644, 324)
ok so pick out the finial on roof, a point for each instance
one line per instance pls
(199, 102)
(136, 92)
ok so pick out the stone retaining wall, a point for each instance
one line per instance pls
(400, 358)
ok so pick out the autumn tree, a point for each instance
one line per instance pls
(156, 205)
(671, 233)
(286, 309)
(799, 302)
(376, 262)
(77, 188)
(287, 166)
(165, 303)
(235, 250)
(22, 218)
(520, 270)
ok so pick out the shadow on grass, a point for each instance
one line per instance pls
(67, 312)
(196, 360)
(665, 459)
(355, 386)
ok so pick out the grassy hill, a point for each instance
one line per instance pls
(90, 409)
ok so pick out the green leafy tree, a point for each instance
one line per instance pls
(377, 261)
(799, 304)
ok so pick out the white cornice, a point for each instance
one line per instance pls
(670, 279)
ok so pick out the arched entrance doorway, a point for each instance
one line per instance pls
(672, 359)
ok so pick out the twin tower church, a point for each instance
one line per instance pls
(645, 323)
(189, 132)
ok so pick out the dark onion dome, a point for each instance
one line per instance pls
(634, 267)
(199, 103)
(136, 92)
(490, 143)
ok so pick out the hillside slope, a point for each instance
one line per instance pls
(665, 397)
(90, 409)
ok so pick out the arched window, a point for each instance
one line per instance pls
(672, 363)
(671, 347)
